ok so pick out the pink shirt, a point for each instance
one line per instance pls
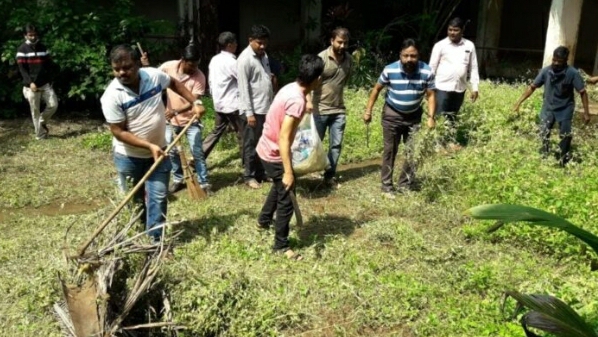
(196, 83)
(289, 101)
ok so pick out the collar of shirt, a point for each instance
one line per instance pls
(224, 52)
(460, 43)
(143, 77)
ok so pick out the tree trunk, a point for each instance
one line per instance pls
(563, 26)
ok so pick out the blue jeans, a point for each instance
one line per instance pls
(130, 171)
(336, 123)
(194, 138)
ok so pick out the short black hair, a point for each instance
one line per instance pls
(28, 28)
(121, 52)
(259, 32)
(226, 38)
(311, 67)
(409, 43)
(191, 53)
(561, 52)
(341, 32)
(456, 22)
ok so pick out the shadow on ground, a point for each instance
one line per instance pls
(320, 229)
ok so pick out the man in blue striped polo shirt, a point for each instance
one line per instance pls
(408, 81)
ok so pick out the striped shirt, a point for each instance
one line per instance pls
(34, 63)
(143, 113)
(406, 91)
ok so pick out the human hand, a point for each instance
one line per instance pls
(586, 118)
(156, 151)
(367, 117)
(199, 111)
(144, 59)
(431, 122)
(33, 87)
(474, 96)
(309, 107)
(170, 113)
(251, 121)
(288, 179)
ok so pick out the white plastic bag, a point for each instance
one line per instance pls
(307, 150)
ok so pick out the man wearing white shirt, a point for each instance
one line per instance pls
(222, 78)
(453, 60)
(255, 95)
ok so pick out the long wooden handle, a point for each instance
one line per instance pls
(130, 195)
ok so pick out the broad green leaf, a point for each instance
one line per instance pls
(505, 213)
(551, 315)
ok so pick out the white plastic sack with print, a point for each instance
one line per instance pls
(307, 150)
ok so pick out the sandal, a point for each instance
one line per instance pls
(290, 254)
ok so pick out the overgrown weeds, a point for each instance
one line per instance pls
(412, 266)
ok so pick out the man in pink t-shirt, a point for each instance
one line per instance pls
(179, 113)
(274, 148)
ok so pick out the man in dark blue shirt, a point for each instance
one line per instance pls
(559, 80)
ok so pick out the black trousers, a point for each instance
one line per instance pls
(448, 104)
(396, 128)
(279, 202)
(547, 121)
(222, 121)
(253, 168)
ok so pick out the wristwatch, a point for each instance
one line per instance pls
(198, 102)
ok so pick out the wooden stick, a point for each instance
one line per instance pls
(129, 196)
(140, 49)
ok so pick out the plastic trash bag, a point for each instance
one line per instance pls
(307, 150)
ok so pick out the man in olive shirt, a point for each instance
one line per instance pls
(327, 100)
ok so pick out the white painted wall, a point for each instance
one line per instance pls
(563, 26)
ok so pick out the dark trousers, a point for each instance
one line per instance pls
(397, 127)
(222, 121)
(279, 202)
(448, 104)
(253, 168)
(547, 121)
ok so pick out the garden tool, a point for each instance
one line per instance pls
(195, 191)
(132, 192)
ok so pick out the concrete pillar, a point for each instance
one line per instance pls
(488, 32)
(563, 25)
(311, 20)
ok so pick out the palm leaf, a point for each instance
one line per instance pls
(551, 315)
(505, 213)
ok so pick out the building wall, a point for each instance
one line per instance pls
(282, 17)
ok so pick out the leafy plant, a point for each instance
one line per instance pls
(548, 313)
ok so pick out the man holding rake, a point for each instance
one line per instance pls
(132, 105)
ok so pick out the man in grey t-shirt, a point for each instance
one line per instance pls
(559, 80)
(255, 95)
(327, 100)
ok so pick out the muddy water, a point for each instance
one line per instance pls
(48, 210)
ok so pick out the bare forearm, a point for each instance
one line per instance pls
(285, 154)
(431, 98)
(372, 100)
(130, 139)
(180, 89)
(528, 92)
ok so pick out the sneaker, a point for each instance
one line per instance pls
(176, 186)
(252, 183)
(331, 183)
(207, 187)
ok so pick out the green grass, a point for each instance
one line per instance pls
(413, 266)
